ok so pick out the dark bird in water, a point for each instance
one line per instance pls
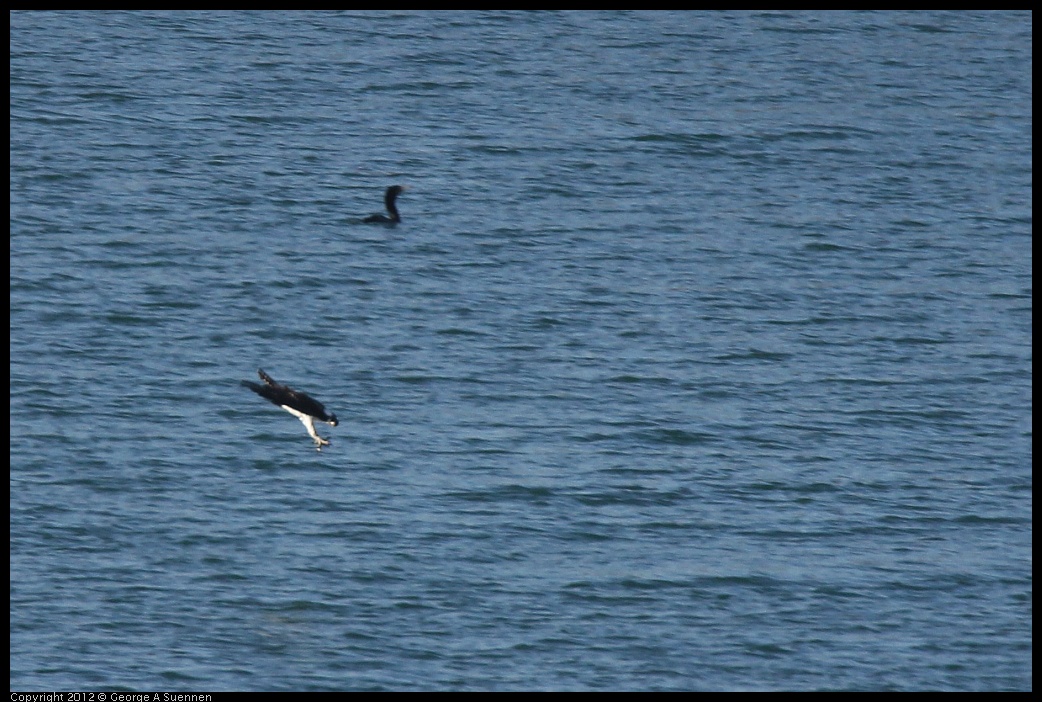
(392, 216)
(301, 405)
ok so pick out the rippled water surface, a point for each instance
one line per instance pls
(701, 359)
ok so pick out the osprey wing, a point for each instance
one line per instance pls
(285, 396)
(302, 402)
(269, 380)
(273, 394)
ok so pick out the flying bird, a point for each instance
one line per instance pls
(301, 405)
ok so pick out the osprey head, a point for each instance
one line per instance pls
(332, 419)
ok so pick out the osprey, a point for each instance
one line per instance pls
(301, 405)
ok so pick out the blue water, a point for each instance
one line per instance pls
(700, 361)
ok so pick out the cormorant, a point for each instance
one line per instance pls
(389, 197)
